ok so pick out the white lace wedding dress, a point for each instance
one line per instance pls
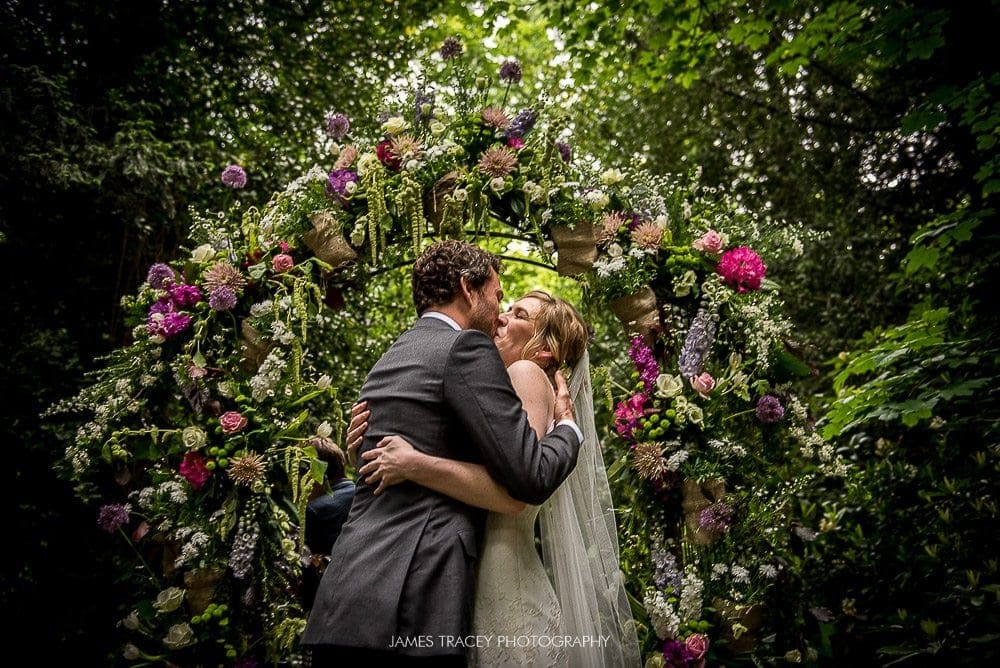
(516, 610)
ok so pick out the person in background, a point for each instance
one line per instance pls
(326, 513)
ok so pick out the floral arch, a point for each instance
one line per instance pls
(200, 449)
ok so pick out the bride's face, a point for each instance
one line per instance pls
(517, 326)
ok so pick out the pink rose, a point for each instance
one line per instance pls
(703, 384)
(282, 262)
(697, 645)
(710, 242)
(232, 422)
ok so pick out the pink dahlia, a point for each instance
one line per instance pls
(742, 268)
(647, 235)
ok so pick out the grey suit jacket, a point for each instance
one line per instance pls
(402, 570)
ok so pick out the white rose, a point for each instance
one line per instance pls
(203, 253)
(179, 635)
(436, 127)
(612, 176)
(193, 437)
(395, 125)
(668, 386)
(169, 599)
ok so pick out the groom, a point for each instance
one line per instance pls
(400, 581)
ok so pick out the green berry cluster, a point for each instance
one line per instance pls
(215, 621)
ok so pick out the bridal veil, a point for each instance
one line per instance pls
(580, 549)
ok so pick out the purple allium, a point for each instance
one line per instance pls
(717, 518)
(522, 123)
(696, 344)
(222, 298)
(510, 72)
(565, 152)
(337, 126)
(185, 296)
(159, 274)
(234, 177)
(338, 182)
(112, 517)
(642, 356)
(451, 48)
(769, 409)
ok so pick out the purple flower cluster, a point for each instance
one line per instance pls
(769, 409)
(165, 317)
(338, 183)
(451, 48)
(677, 655)
(522, 123)
(717, 518)
(697, 343)
(421, 100)
(510, 71)
(642, 356)
(666, 574)
(112, 517)
(234, 177)
(337, 126)
(160, 276)
(223, 298)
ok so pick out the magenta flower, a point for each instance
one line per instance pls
(112, 517)
(234, 177)
(164, 319)
(341, 183)
(185, 296)
(742, 268)
(194, 471)
(232, 422)
(642, 356)
(628, 413)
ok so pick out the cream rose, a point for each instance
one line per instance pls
(193, 437)
(203, 253)
(668, 386)
(169, 599)
(179, 635)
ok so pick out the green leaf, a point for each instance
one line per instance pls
(920, 258)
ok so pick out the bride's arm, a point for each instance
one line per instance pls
(394, 460)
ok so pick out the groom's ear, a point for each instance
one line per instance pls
(467, 292)
(545, 359)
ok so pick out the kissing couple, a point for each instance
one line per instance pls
(470, 434)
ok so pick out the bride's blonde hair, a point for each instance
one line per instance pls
(558, 329)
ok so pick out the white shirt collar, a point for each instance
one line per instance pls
(442, 316)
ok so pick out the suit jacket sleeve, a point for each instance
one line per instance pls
(478, 390)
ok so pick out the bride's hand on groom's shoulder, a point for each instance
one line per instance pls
(390, 462)
(563, 409)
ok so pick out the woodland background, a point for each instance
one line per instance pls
(874, 123)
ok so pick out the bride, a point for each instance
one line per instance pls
(569, 607)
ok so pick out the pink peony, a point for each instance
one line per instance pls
(703, 384)
(232, 422)
(742, 268)
(710, 242)
(697, 645)
(282, 262)
(193, 469)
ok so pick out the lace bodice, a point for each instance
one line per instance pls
(516, 611)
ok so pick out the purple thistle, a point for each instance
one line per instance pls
(510, 72)
(565, 152)
(222, 298)
(717, 518)
(234, 177)
(112, 517)
(769, 409)
(696, 344)
(159, 275)
(337, 126)
(642, 356)
(522, 123)
(451, 48)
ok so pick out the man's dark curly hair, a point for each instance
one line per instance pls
(438, 271)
